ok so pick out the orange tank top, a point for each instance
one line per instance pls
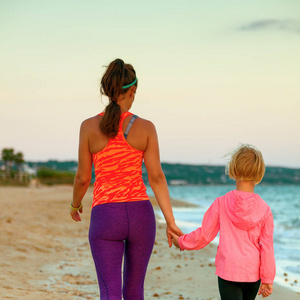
(118, 171)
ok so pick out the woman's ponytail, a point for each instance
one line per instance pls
(117, 75)
(109, 124)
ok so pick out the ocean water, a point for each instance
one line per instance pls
(284, 201)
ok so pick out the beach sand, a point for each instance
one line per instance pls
(45, 254)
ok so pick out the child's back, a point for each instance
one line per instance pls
(246, 238)
(245, 255)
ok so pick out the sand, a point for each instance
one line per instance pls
(45, 254)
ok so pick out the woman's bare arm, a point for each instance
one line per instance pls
(84, 170)
(158, 181)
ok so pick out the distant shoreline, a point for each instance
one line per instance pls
(187, 174)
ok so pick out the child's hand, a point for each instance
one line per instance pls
(172, 228)
(175, 238)
(265, 289)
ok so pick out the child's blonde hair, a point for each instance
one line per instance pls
(246, 163)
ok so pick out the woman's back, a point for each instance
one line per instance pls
(137, 138)
(118, 165)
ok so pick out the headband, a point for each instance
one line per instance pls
(129, 85)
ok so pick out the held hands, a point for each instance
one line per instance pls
(172, 229)
(265, 289)
(175, 238)
(74, 212)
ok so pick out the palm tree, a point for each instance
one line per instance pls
(7, 155)
(19, 160)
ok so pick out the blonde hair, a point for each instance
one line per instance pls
(246, 163)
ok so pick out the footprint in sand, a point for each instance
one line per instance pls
(78, 279)
(65, 265)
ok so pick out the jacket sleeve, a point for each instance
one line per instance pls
(267, 259)
(202, 236)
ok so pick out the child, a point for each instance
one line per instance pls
(245, 255)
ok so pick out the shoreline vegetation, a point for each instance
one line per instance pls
(46, 255)
(62, 172)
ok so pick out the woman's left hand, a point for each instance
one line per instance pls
(75, 214)
(174, 229)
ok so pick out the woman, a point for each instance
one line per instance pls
(122, 218)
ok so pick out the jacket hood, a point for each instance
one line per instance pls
(245, 209)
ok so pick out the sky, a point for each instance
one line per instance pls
(212, 74)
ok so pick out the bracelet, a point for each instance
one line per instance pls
(76, 209)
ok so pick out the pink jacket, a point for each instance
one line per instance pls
(245, 252)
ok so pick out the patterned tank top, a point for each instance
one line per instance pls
(118, 171)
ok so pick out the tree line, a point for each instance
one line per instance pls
(10, 158)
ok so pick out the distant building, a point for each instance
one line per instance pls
(28, 170)
(178, 182)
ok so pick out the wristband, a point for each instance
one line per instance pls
(76, 209)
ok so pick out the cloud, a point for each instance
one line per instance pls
(286, 25)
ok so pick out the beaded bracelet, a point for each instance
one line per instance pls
(76, 209)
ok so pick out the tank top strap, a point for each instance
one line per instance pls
(123, 116)
(133, 118)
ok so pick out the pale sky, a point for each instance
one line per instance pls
(212, 74)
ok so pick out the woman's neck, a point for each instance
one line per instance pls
(124, 105)
(125, 100)
(123, 110)
(245, 186)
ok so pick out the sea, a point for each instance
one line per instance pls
(284, 201)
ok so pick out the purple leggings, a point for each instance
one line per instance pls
(118, 229)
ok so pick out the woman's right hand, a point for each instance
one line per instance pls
(174, 229)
